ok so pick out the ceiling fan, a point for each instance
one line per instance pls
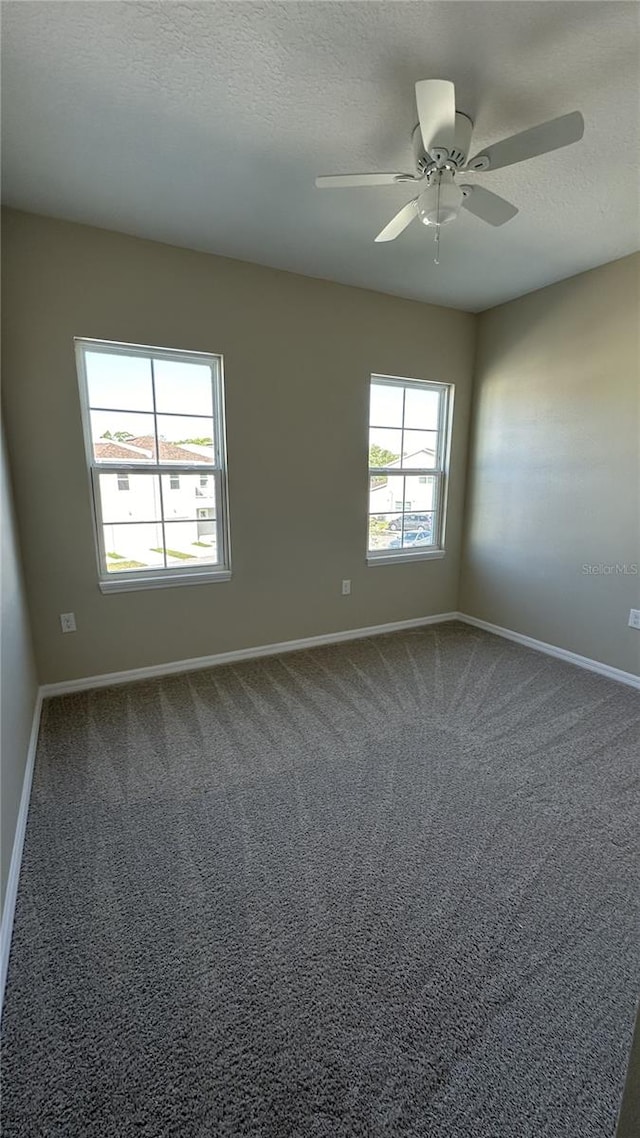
(441, 144)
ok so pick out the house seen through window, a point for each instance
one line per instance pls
(153, 422)
(408, 445)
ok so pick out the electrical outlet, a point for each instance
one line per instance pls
(68, 621)
(346, 588)
(634, 618)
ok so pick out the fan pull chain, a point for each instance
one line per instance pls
(436, 259)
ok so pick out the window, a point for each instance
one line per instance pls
(154, 425)
(409, 427)
(202, 491)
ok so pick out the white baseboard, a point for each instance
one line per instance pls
(107, 679)
(199, 662)
(551, 650)
(11, 893)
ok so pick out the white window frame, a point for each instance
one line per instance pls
(132, 579)
(440, 471)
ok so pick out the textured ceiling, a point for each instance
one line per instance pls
(204, 125)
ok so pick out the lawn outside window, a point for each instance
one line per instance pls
(409, 443)
(154, 426)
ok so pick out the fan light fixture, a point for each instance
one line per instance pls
(440, 202)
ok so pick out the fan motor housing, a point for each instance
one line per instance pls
(458, 154)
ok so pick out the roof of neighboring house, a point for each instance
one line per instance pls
(110, 448)
(144, 446)
(408, 471)
(423, 450)
(201, 451)
(169, 452)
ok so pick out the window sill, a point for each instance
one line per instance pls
(133, 584)
(403, 558)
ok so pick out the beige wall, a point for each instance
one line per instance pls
(298, 355)
(18, 685)
(554, 475)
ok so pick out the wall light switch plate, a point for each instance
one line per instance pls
(346, 588)
(68, 621)
(634, 618)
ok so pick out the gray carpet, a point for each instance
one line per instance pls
(387, 888)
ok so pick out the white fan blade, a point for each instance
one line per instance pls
(486, 205)
(343, 180)
(399, 222)
(436, 101)
(530, 143)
